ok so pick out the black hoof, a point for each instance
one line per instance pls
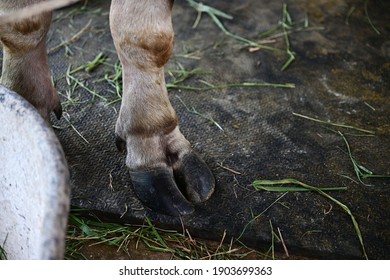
(196, 178)
(58, 111)
(157, 190)
(120, 144)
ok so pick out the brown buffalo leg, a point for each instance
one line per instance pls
(147, 126)
(25, 64)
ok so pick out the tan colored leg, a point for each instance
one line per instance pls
(147, 125)
(25, 64)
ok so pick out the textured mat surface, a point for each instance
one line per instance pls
(341, 75)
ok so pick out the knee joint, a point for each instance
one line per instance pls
(149, 49)
(25, 35)
(159, 46)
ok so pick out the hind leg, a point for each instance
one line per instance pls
(158, 155)
(25, 64)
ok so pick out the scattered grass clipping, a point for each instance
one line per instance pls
(195, 112)
(369, 19)
(334, 124)
(71, 78)
(214, 15)
(3, 254)
(180, 75)
(268, 184)
(90, 66)
(85, 229)
(286, 25)
(255, 217)
(360, 171)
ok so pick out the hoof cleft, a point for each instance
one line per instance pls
(157, 190)
(195, 178)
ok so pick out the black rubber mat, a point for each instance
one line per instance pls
(246, 133)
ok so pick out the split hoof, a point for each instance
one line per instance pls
(157, 190)
(58, 111)
(120, 144)
(194, 176)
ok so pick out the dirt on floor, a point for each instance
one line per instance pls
(338, 74)
(293, 89)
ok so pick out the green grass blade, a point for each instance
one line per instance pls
(155, 233)
(3, 253)
(334, 124)
(360, 171)
(214, 14)
(286, 24)
(259, 215)
(207, 9)
(369, 19)
(258, 185)
(321, 192)
(91, 65)
(195, 112)
(83, 86)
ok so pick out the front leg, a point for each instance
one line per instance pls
(25, 63)
(147, 126)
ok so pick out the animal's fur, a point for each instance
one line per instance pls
(147, 125)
